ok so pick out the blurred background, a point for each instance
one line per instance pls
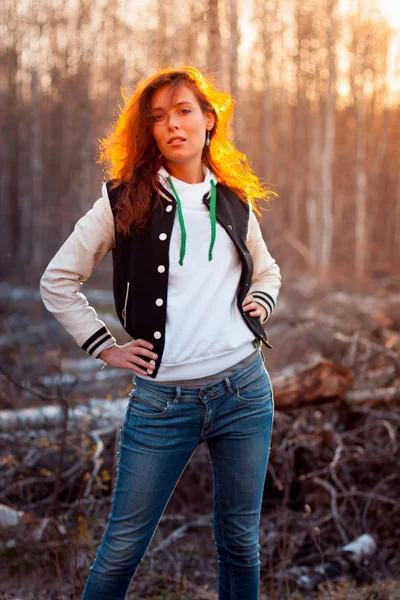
(317, 91)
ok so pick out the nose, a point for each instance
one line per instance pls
(173, 122)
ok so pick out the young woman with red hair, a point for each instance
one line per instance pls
(193, 283)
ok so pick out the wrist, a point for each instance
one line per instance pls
(103, 354)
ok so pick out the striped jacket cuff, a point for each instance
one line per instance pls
(98, 342)
(266, 301)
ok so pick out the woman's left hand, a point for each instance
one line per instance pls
(256, 310)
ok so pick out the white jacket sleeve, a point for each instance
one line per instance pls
(266, 275)
(92, 238)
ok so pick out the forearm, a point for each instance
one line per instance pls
(267, 278)
(91, 240)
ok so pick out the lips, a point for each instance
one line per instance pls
(176, 139)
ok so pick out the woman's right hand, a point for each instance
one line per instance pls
(129, 356)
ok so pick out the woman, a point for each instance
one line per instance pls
(193, 283)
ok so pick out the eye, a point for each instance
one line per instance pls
(158, 118)
(186, 111)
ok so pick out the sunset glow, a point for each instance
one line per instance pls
(391, 10)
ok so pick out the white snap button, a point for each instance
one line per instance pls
(161, 269)
(159, 302)
(152, 362)
(157, 335)
(150, 371)
(169, 208)
(163, 236)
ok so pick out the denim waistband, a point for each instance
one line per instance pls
(147, 387)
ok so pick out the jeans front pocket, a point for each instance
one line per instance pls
(146, 407)
(254, 390)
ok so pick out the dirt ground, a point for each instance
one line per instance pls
(352, 450)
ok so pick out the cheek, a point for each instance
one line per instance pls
(157, 136)
(198, 134)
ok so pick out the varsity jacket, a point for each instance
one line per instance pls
(141, 263)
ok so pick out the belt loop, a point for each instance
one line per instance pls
(178, 395)
(228, 385)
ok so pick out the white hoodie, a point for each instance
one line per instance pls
(205, 332)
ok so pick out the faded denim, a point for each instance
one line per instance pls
(163, 427)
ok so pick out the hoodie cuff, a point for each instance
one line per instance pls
(98, 342)
(266, 301)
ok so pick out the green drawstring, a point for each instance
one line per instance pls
(213, 203)
(213, 219)
(181, 222)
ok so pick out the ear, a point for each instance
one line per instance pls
(210, 121)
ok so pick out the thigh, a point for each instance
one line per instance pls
(150, 463)
(240, 450)
(149, 466)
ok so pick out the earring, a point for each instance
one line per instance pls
(208, 138)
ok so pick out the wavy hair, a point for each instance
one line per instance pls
(131, 158)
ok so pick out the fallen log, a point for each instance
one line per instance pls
(53, 416)
(373, 397)
(295, 387)
(299, 385)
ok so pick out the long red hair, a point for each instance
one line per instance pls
(130, 156)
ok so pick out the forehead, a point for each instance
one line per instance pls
(168, 95)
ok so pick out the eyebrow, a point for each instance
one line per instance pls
(177, 104)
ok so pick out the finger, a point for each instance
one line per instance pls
(135, 360)
(247, 300)
(143, 344)
(143, 352)
(252, 306)
(136, 369)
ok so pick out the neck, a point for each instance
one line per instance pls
(189, 173)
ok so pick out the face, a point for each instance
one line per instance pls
(179, 125)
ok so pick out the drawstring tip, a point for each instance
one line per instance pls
(210, 257)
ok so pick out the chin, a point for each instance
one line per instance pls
(181, 157)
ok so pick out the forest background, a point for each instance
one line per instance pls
(316, 84)
(317, 92)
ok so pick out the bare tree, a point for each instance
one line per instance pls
(234, 41)
(10, 115)
(329, 147)
(214, 54)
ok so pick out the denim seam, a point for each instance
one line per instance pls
(257, 400)
(250, 378)
(146, 401)
(247, 374)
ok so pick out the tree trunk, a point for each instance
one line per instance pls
(9, 189)
(234, 42)
(361, 190)
(329, 151)
(37, 173)
(314, 186)
(214, 57)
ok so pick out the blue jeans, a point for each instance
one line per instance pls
(161, 431)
